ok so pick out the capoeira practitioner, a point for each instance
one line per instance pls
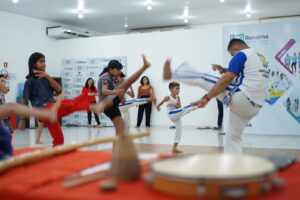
(175, 112)
(242, 87)
(110, 89)
(38, 89)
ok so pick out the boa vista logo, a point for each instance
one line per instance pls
(251, 38)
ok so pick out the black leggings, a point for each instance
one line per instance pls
(220, 113)
(90, 117)
(147, 108)
(294, 66)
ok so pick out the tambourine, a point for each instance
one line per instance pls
(213, 176)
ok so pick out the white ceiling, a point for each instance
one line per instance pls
(109, 15)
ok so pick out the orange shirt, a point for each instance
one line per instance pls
(86, 91)
(144, 92)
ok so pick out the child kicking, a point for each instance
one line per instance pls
(9, 109)
(175, 112)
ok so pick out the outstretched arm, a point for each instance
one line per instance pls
(165, 99)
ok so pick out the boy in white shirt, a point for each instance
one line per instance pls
(175, 112)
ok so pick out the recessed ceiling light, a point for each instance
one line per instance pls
(248, 7)
(80, 15)
(186, 11)
(126, 23)
(15, 1)
(222, 1)
(248, 15)
(80, 6)
(149, 4)
(186, 21)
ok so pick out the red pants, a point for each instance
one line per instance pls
(68, 106)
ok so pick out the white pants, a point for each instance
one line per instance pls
(175, 116)
(124, 108)
(241, 109)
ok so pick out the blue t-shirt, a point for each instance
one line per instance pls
(38, 92)
(294, 59)
(5, 144)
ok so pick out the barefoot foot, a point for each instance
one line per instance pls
(176, 151)
(167, 73)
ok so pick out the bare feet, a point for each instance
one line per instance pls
(39, 142)
(54, 109)
(167, 73)
(176, 151)
(146, 63)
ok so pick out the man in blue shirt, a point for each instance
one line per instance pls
(242, 87)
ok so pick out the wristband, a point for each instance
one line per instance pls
(206, 97)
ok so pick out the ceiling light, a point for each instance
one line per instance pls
(126, 24)
(186, 21)
(248, 15)
(149, 4)
(80, 6)
(186, 11)
(15, 1)
(248, 7)
(80, 15)
(222, 1)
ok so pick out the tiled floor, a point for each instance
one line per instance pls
(162, 138)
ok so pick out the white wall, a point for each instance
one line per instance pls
(201, 47)
(19, 38)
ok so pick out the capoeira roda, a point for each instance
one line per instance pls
(242, 87)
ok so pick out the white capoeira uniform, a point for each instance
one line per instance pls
(245, 95)
(124, 108)
(175, 115)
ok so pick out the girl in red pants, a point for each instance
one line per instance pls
(39, 90)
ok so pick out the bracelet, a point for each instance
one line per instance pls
(206, 97)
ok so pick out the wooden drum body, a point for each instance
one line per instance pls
(213, 176)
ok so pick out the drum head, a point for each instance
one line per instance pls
(214, 167)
